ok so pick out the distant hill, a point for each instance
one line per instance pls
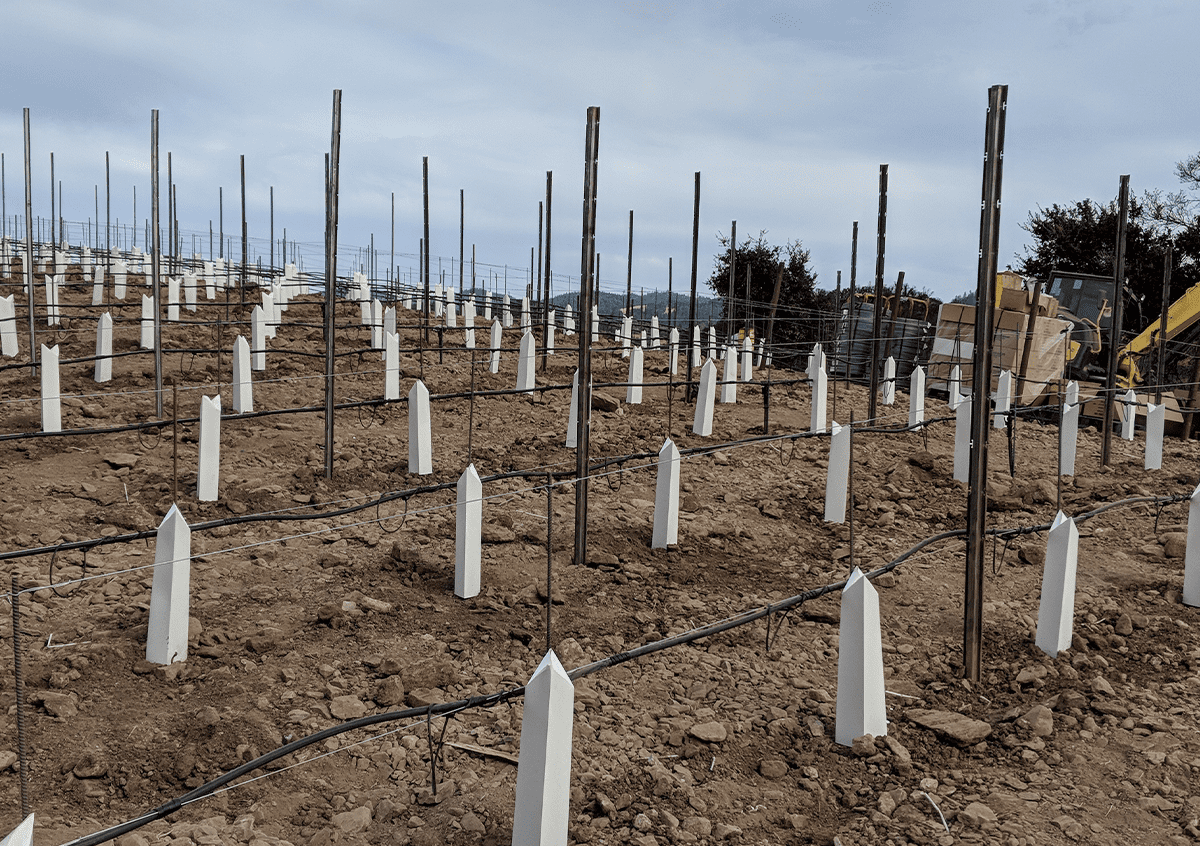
(611, 305)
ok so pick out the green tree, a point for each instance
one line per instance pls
(1082, 237)
(797, 322)
(1178, 209)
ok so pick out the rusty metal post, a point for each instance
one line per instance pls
(19, 680)
(425, 241)
(535, 272)
(174, 442)
(53, 218)
(732, 277)
(849, 486)
(1028, 348)
(462, 222)
(107, 214)
(985, 297)
(837, 320)
(1162, 325)
(749, 325)
(170, 217)
(893, 315)
(774, 306)
(766, 395)
(471, 416)
(583, 406)
(546, 275)
(1114, 335)
(692, 305)
(245, 247)
(853, 316)
(670, 286)
(1193, 391)
(629, 272)
(549, 557)
(331, 220)
(27, 270)
(877, 305)
(837, 309)
(156, 265)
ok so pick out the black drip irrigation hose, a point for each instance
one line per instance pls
(303, 409)
(595, 467)
(153, 424)
(382, 499)
(489, 700)
(308, 409)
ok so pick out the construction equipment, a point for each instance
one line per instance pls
(1086, 301)
(1064, 336)
(1138, 359)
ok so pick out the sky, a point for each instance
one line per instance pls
(786, 109)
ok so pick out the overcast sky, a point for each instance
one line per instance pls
(787, 110)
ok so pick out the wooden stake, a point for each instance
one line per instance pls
(877, 305)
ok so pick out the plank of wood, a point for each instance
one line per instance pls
(484, 751)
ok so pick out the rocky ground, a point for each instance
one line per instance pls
(301, 623)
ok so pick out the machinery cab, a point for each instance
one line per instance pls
(1084, 299)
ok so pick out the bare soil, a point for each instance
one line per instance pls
(300, 622)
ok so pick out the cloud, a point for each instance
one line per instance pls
(787, 109)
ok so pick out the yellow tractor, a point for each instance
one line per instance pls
(1085, 300)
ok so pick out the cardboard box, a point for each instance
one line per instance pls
(1012, 299)
(1047, 306)
(1022, 301)
(1007, 279)
(956, 313)
(1044, 366)
(954, 345)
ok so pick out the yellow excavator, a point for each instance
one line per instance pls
(1085, 300)
(1138, 360)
